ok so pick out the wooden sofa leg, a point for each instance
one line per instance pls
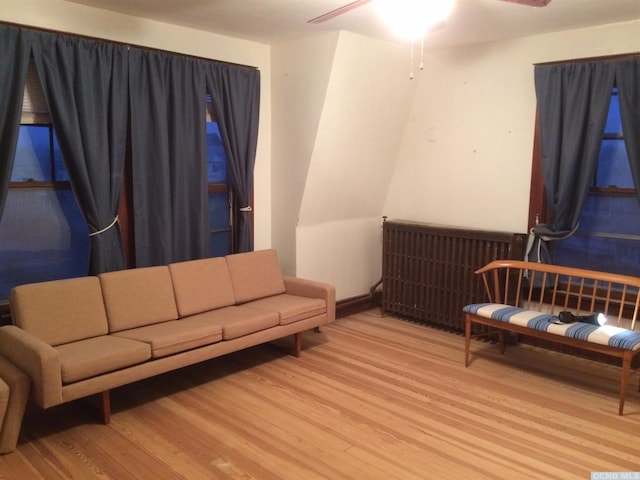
(106, 407)
(624, 378)
(297, 344)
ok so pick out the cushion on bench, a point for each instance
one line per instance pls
(604, 335)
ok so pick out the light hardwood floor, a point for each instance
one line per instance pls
(371, 397)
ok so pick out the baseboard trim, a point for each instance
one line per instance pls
(361, 303)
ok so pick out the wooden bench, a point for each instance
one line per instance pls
(527, 298)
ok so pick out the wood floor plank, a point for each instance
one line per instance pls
(370, 397)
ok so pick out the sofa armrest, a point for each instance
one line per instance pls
(313, 289)
(39, 360)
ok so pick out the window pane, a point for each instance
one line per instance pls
(219, 224)
(611, 214)
(32, 161)
(616, 255)
(60, 173)
(608, 237)
(42, 237)
(33, 158)
(220, 244)
(218, 211)
(613, 166)
(614, 123)
(216, 157)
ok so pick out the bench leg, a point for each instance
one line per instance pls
(501, 340)
(624, 378)
(467, 338)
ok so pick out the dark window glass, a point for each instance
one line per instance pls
(220, 223)
(43, 235)
(216, 157)
(613, 166)
(614, 123)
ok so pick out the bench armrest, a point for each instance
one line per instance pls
(313, 289)
(39, 360)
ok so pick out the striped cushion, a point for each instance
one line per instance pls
(605, 335)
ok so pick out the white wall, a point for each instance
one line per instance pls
(347, 151)
(466, 155)
(74, 18)
(463, 157)
(301, 72)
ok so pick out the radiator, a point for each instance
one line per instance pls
(428, 270)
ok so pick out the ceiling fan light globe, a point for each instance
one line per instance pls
(412, 19)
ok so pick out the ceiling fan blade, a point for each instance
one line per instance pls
(530, 3)
(339, 11)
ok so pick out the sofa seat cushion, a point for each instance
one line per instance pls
(175, 336)
(290, 308)
(95, 356)
(239, 321)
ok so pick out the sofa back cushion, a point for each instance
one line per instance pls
(138, 297)
(60, 311)
(201, 285)
(255, 275)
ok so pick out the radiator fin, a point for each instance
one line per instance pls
(428, 270)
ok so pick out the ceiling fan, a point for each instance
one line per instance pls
(359, 3)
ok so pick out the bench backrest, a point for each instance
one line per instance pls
(554, 288)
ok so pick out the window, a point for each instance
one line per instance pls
(43, 235)
(609, 229)
(220, 197)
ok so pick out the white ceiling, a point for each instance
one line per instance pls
(274, 21)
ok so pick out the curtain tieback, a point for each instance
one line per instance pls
(246, 209)
(115, 220)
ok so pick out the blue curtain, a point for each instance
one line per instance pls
(94, 90)
(168, 155)
(573, 101)
(235, 96)
(14, 60)
(628, 83)
(85, 86)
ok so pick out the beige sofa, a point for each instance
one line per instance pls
(83, 336)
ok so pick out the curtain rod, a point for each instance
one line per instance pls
(124, 44)
(620, 56)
